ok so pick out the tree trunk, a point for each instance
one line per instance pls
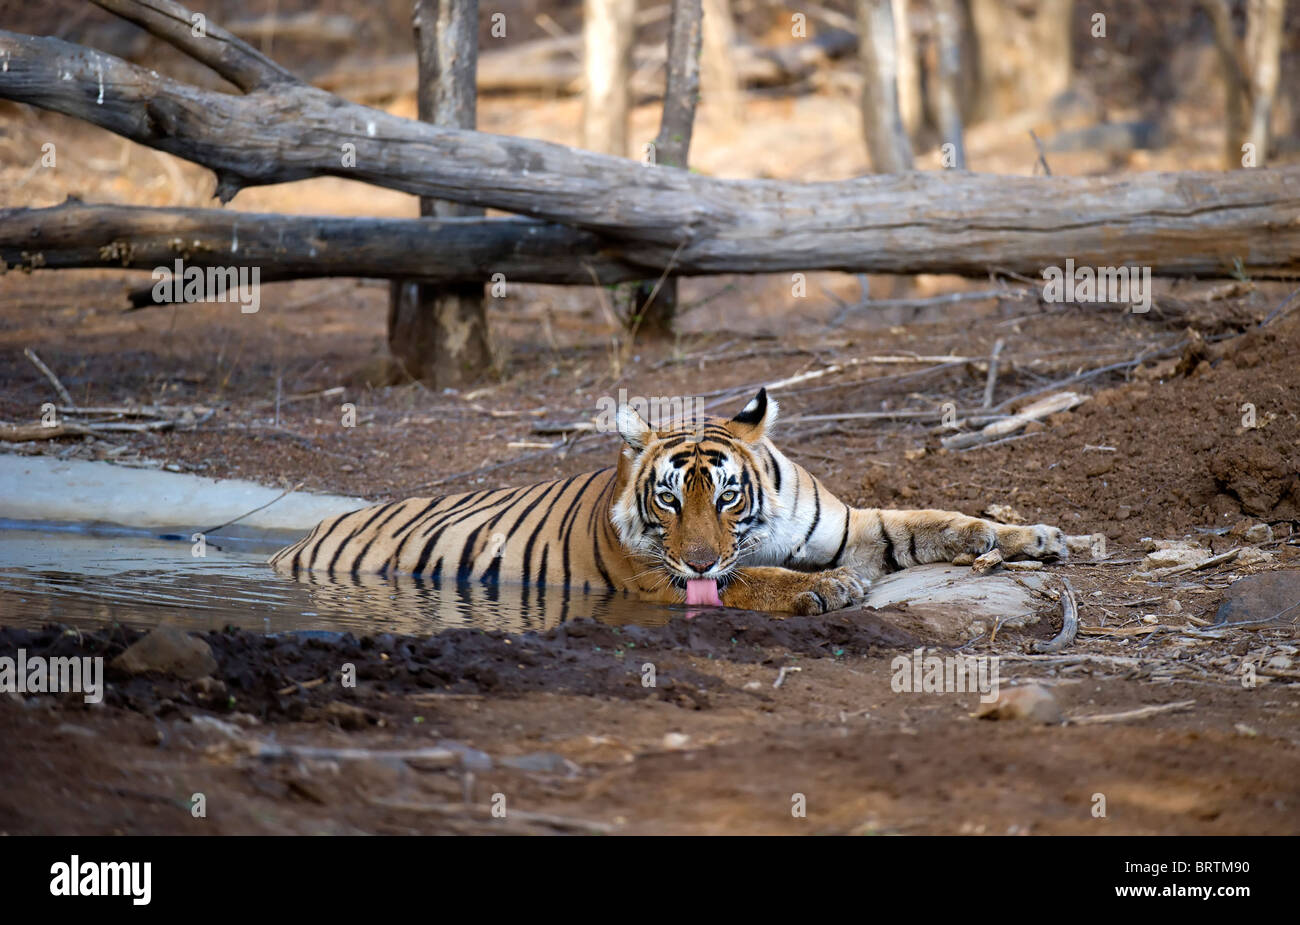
(439, 333)
(656, 300)
(1264, 52)
(1024, 53)
(609, 31)
(1236, 90)
(947, 73)
(910, 103)
(721, 75)
(882, 121)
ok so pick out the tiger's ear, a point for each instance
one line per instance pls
(633, 429)
(755, 419)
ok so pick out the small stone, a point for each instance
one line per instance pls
(1099, 465)
(675, 741)
(68, 729)
(1123, 512)
(346, 715)
(168, 650)
(1032, 702)
(1252, 556)
(1279, 663)
(1259, 533)
(542, 763)
(1150, 618)
(210, 687)
(753, 685)
(1004, 514)
(1173, 554)
(987, 562)
(1248, 731)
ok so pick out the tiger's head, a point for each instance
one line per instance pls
(695, 497)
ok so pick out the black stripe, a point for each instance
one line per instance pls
(355, 533)
(776, 469)
(311, 560)
(572, 516)
(541, 524)
(890, 563)
(843, 541)
(356, 562)
(817, 514)
(428, 547)
(436, 530)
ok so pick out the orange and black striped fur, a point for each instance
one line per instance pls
(714, 508)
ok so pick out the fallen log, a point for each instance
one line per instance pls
(280, 130)
(451, 250)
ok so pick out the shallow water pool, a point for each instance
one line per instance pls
(90, 576)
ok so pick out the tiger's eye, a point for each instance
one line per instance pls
(728, 497)
(667, 498)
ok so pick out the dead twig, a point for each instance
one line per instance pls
(49, 374)
(1093, 719)
(1069, 622)
(254, 511)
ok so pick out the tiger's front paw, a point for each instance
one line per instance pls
(1038, 541)
(831, 590)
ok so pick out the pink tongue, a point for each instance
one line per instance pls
(703, 591)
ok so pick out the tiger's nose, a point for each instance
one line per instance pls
(700, 559)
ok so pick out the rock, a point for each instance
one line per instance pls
(1259, 533)
(541, 762)
(1279, 663)
(346, 715)
(1099, 465)
(987, 562)
(1251, 556)
(1032, 702)
(1028, 565)
(1004, 514)
(69, 729)
(1170, 554)
(675, 741)
(210, 687)
(168, 650)
(1261, 597)
(471, 759)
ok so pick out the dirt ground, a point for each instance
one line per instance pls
(560, 724)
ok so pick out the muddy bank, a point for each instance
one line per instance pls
(287, 676)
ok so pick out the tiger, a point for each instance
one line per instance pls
(704, 512)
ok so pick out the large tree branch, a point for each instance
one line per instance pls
(228, 55)
(948, 221)
(449, 250)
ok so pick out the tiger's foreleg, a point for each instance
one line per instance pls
(784, 590)
(882, 541)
